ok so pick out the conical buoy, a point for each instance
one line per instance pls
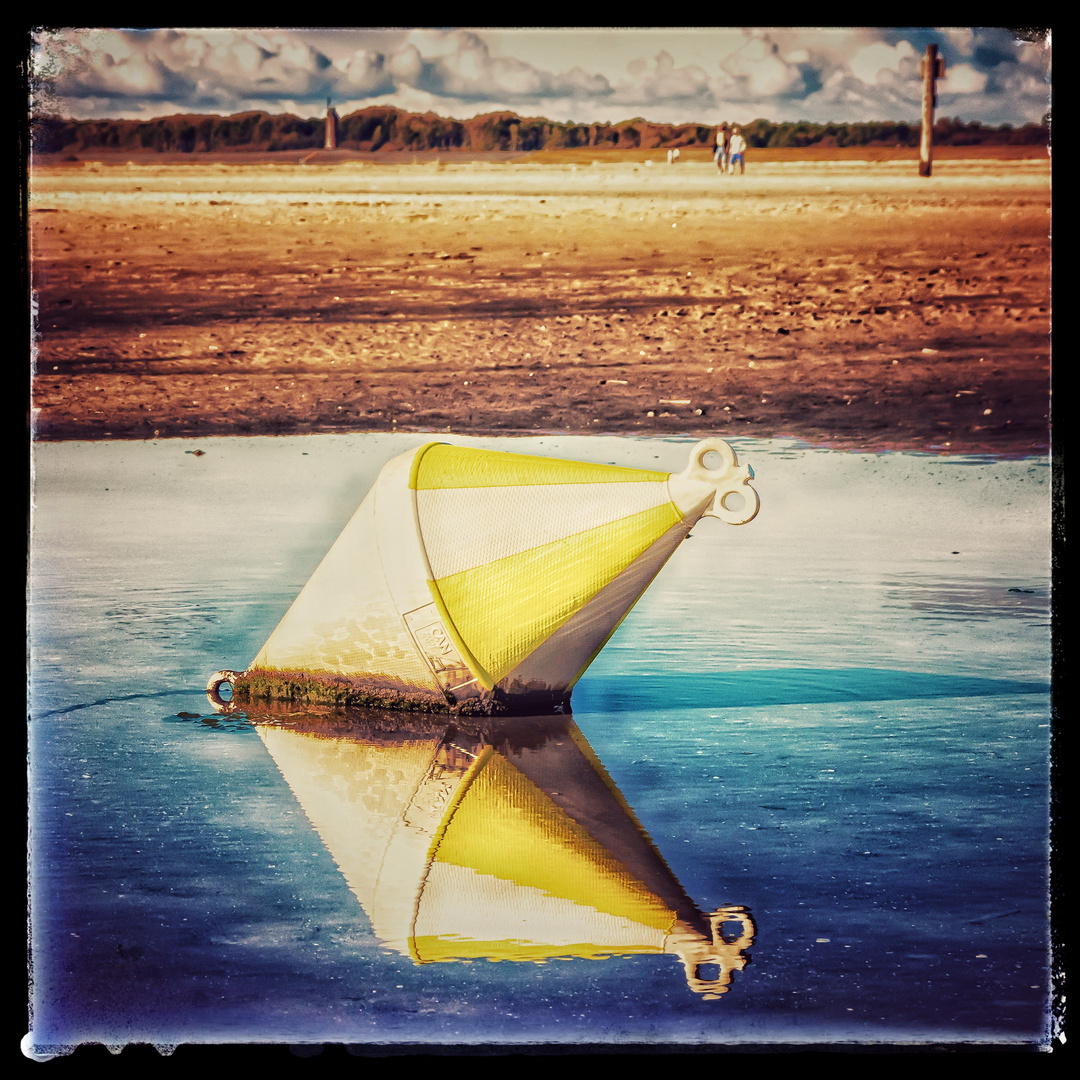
(510, 843)
(481, 581)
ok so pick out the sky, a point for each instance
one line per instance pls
(666, 75)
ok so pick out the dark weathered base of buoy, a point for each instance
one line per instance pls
(305, 688)
(348, 720)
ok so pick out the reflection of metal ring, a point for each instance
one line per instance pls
(710, 989)
(213, 691)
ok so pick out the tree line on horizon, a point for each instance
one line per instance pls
(387, 128)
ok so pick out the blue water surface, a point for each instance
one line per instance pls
(837, 716)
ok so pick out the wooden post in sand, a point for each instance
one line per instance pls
(931, 68)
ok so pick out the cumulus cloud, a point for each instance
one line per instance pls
(759, 70)
(459, 65)
(407, 66)
(875, 62)
(964, 79)
(962, 39)
(102, 64)
(196, 69)
(841, 74)
(272, 67)
(663, 84)
(367, 74)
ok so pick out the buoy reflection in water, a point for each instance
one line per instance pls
(508, 842)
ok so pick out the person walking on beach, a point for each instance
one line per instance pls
(737, 151)
(723, 147)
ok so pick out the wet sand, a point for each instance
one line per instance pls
(847, 303)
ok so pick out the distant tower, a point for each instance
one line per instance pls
(331, 127)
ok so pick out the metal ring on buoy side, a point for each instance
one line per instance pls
(213, 691)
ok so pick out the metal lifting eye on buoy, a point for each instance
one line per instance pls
(697, 481)
(219, 701)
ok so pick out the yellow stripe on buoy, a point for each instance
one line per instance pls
(506, 608)
(506, 827)
(441, 466)
(433, 949)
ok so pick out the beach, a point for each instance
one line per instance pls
(833, 722)
(848, 303)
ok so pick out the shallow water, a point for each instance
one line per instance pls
(836, 717)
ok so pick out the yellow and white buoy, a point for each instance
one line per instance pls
(477, 580)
